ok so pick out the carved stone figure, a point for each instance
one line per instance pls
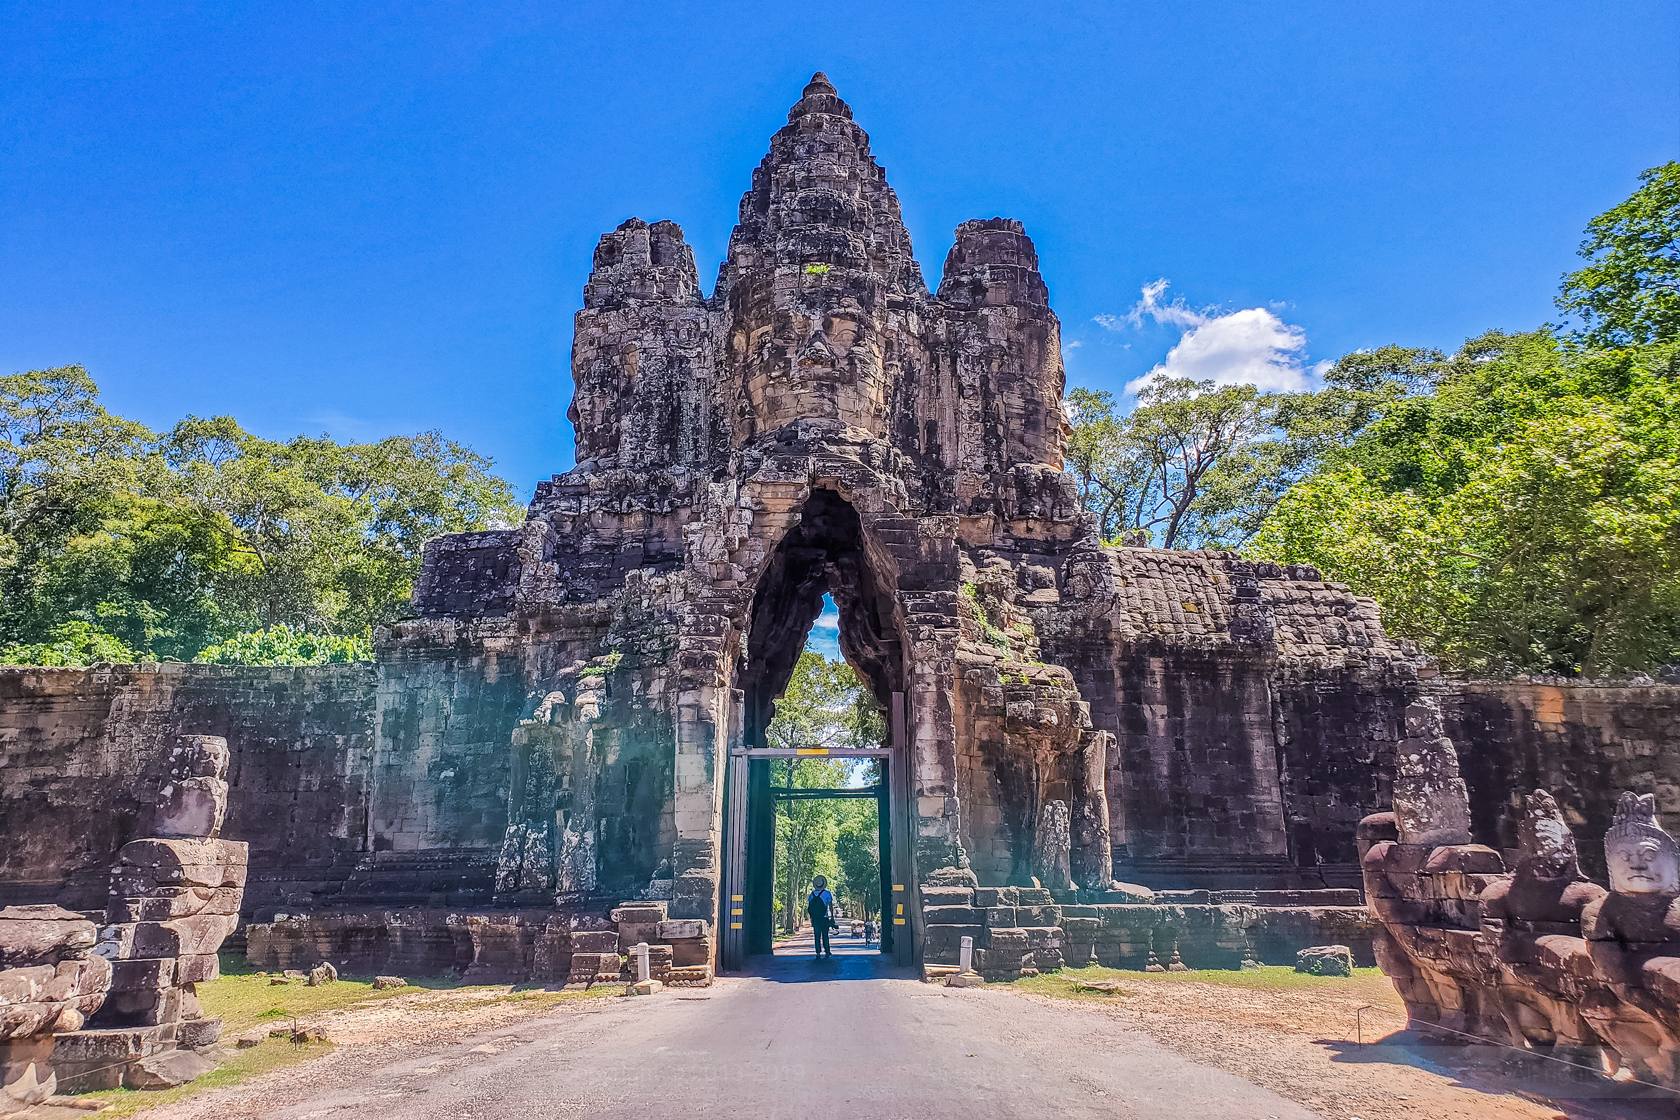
(1547, 886)
(1643, 859)
(1431, 803)
(194, 800)
(1055, 843)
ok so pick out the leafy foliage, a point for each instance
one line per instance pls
(1629, 292)
(70, 643)
(281, 645)
(1196, 465)
(1523, 516)
(1514, 506)
(171, 543)
(825, 705)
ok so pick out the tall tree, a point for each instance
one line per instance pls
(1525, 515)
(118, 542)
(1189, 466)
(824, 705)
(1629, 292)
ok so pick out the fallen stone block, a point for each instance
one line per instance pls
(644, 988)
(166, 1070)
(1325, 960)
(383, 983)
(194, 1034)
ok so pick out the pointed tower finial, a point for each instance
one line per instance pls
(820, 96)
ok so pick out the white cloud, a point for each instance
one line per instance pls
(1250, 347)
(1177, 313)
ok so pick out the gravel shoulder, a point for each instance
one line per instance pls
(1301, 1037)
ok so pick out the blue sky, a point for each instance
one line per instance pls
(824, 637)
(372, 219)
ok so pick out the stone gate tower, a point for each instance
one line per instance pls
(555, 722)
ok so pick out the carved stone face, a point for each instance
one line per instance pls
(1643, 859)
(1642, 865)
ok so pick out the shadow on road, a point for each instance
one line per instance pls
(795, 962)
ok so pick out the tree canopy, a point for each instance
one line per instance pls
(1629, 292)
(825, 705)
(120, 543)
(1514, 507)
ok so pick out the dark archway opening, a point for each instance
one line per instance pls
(824, 554)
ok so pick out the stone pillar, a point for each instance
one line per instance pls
(173, 900)
(1431, 803)
(1053, 847)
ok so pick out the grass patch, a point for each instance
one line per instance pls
(243, 1000)
(275, 1054)
(1268, 978)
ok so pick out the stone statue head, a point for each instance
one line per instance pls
(1548, 847)
(1643, 859)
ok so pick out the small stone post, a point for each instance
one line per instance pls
(966, 977)
(645, 984)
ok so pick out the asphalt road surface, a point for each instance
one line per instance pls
(809, 1039)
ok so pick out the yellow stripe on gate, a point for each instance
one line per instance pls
(811, 750)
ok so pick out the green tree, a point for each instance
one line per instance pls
(856, 852)
(1629, 292)
(1190, 466)
(66, 468)
(281, 645)
(171, 544)
(824, 705)
(69, 643)
(1525, 515)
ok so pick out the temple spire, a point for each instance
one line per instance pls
(820, 96)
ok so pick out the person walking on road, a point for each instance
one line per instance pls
(819, 907)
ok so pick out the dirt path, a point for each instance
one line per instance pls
(1302, 1044)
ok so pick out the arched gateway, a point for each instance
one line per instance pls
(822, 423)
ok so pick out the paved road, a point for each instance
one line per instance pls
(807, 1039)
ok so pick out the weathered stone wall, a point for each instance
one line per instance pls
(1585, 742)
(86, 751)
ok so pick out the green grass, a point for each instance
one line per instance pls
(272, 1055)
(243, 1000)
(1269, 978)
